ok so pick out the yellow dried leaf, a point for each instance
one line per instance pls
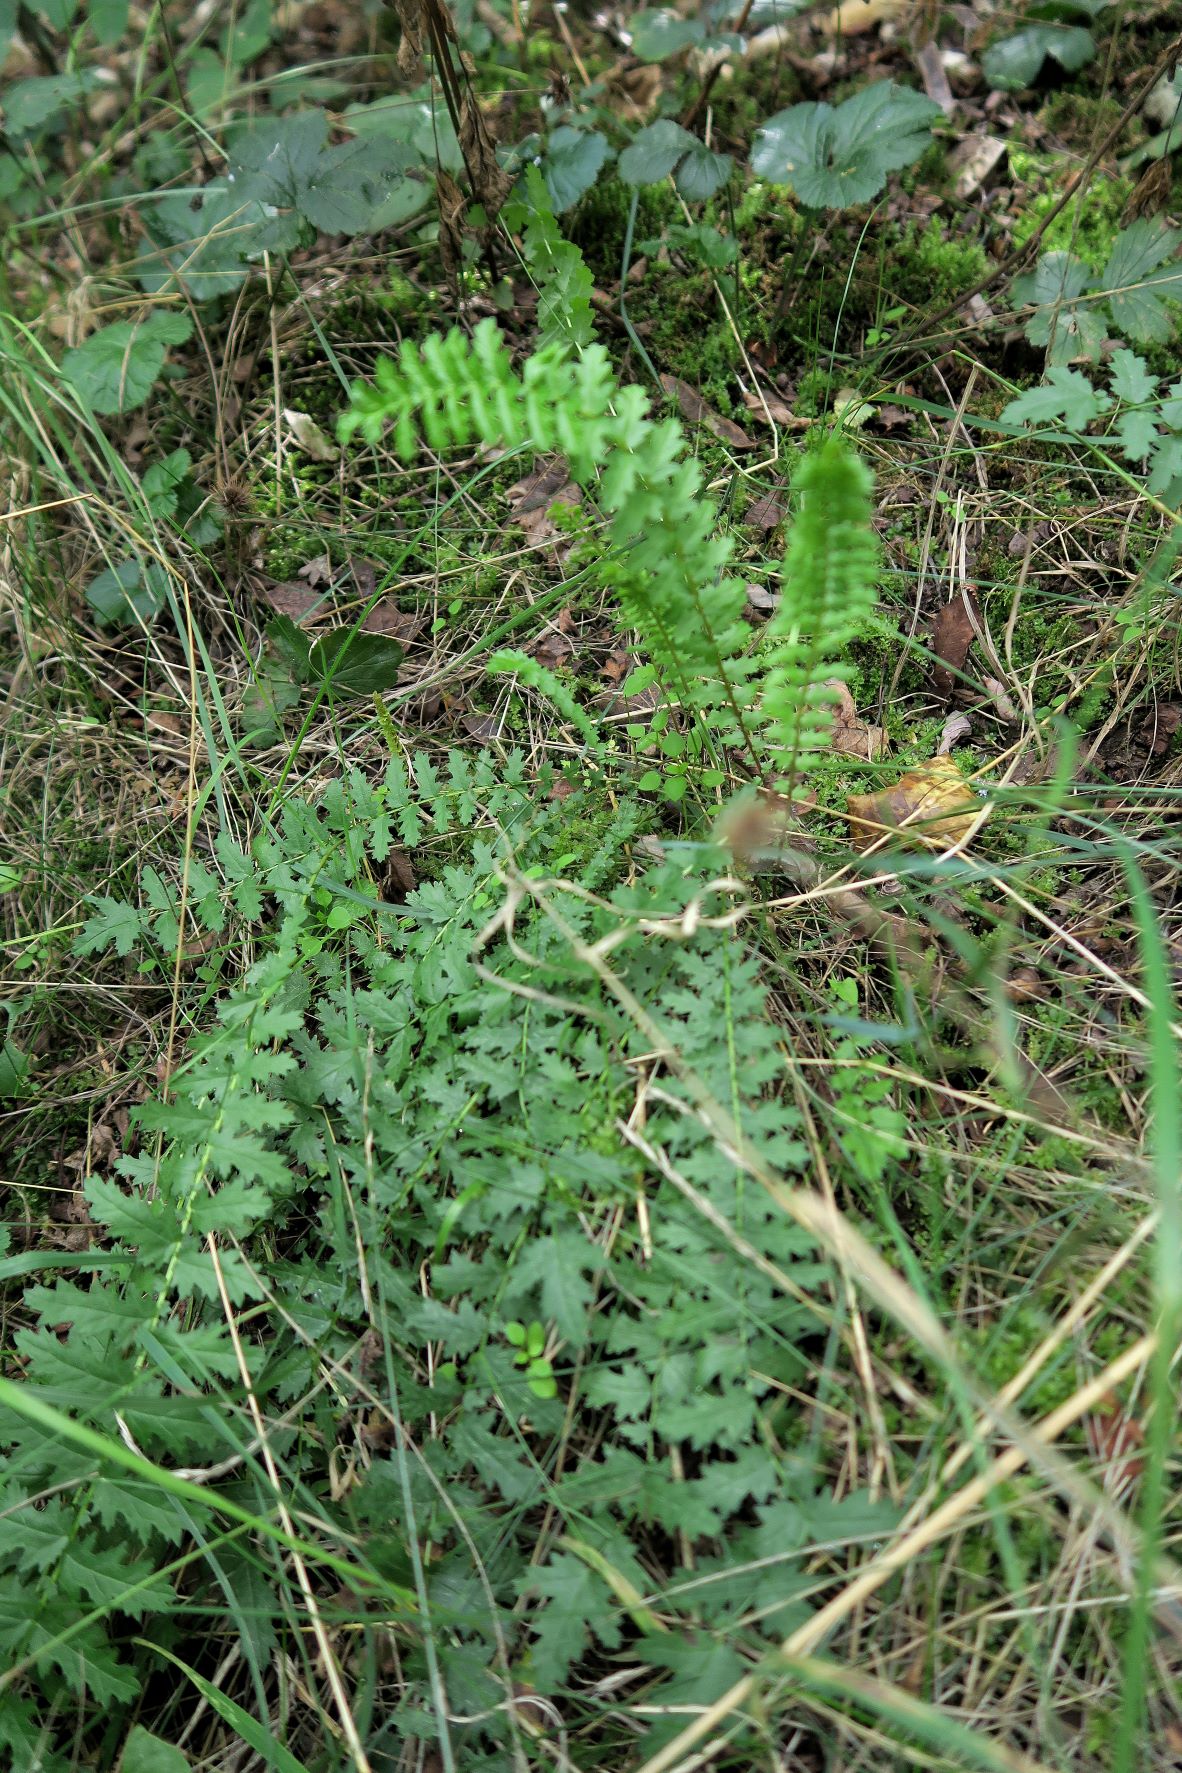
(855, 16)
(934, 804)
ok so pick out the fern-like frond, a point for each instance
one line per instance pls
(828, 590)
(667, 563)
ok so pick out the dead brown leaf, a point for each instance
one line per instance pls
(452, 208)
(399, 875)
(934, 804)
(695, 411)
(1117, 1439)
(759, 830)
(480, 726)
(1025, 541)
(553, 648)
(851, 736)
(532, 499)
(953, 633)
(760, 600)
(934, 75)
(770, 406)
(491, 184)
(386, 618)
(173, 726)
(1152, 192)
(1025, 985)
(973, 161)
(299, 602)
(1159, 727)
(1000, 697)
(317, 571)
(765, 513)
(956, 728)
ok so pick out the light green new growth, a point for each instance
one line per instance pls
(829, 572)
(667, 563)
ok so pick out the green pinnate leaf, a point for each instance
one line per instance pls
(1137, 434)
(1129, 378)
(113, 924)
(1066, 395)
(1142, 278)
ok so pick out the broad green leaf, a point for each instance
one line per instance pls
(655, 151)
(1065, 395)
(354, 664)
(1014, 62)
(354, 182)
(162, 482)
(702, 173)
(276, 156)
(248, 34)
(291, 647)
(835, 157)
(658, 33)
(401, 198)
(134, 591)
(145, 1753)
(108, 19)
(1137, 278)
(572, 164)
(58, 13)
(421, 125)
(14, 1068)
(30, 104)
(1130, 379)
(115, 368)
(206, 250)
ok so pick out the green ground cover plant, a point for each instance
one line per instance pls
(588, 869)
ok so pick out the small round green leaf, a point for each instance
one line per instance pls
(832, 157)
(702, 173)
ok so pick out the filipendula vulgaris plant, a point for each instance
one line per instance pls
(376, 1104)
